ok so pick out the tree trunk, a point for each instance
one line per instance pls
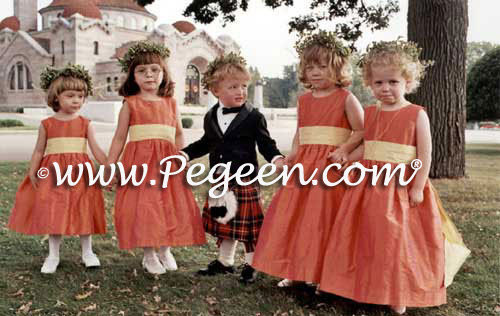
(440, 28)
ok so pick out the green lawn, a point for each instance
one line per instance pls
(120, 287)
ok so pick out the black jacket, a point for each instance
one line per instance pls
(237, 145)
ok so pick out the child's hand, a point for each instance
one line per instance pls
(279, 163)
(416, 197)
(339, 155)
(34, 180)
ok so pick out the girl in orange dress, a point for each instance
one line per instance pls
(147, 215)
(42, 207)
(297, 224)
(387, 244)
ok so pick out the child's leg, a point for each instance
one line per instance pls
(151, 263)
(248, 274)
(227, 251)
(224, 263)
(88, 256)
(167, 259)
(398, 309)
(52, 261)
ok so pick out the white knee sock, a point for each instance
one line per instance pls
(86, 241)
(227, 250)
(54, 245)
(249, 258)
(149, 252)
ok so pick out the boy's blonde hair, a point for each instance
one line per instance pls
(61, 84)
(231, 65)
(338, 65)
(399, 54)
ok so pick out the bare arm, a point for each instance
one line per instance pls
(120, 136)
(37, 156)
(295, 142)
(424, 153)
(356, 117)
(97, 151)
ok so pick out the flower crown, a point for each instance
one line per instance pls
(49, 74)
(398, 46)
(142, 47)
(324, 39)
(231, 58)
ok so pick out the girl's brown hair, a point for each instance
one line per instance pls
(62, 84)
(338, 66)
(130, 87)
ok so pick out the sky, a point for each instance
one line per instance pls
(263, 34)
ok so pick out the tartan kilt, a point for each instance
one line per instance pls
(246, 224)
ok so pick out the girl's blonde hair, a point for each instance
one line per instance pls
(61, 84)
(400, 54)
(338, 65)
(129, 87)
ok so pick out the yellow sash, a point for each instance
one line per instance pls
(151, 131)
(389, 152)
(62, 145)
(323, 135)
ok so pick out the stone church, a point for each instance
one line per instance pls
(95, 33)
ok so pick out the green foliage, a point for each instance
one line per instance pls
(357, 87)
(476, 50)
(187, 122)
(483, 88)
(142, 47)
(361, 14)
(282, 92)
(322, 38)
(231, 58)
(49, 74)
(10, 123)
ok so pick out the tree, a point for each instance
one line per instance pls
(282, 92)
(373, 17)
(255, 76)
(440, 28)
(476, 50)
(357, 87)
(483, 88)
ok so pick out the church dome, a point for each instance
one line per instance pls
(184, 26)
(123, 4)
(10, 22)
(84, 7)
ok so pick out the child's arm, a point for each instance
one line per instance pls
(120, 136)
(355, 116)
(98, 153)
(267, 145)
(202, 146)
(295, 146)
(37, 156)
(424, 153)
(179, 131)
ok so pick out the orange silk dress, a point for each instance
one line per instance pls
(297, 225)
(148, 215)
(65, 209)
(381, 250)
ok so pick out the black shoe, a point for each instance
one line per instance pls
(216, 267)
(248, 274)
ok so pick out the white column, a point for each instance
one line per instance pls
(258, 98)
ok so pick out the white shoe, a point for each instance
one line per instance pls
(50, 265)
(285, 283)
(153, 265)
(168, 260)
(91, 260)
(398, 309)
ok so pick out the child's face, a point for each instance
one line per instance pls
(388, 84)
(71, 101)
(148, 77)
(231, 92)
(318, 75)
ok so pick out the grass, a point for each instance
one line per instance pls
(120, 287)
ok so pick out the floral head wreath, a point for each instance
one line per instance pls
(323, 38)
(399, 46)
(231, 58)
(49, 74)
(142, 47)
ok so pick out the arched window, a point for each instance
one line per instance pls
(120, 21)
(96, 48)
(62, 47)
(192, 85)
(20, 77)
(108, 84)
(116, 84)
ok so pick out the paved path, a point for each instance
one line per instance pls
(18, 145)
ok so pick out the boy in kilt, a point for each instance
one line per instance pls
(232, 129)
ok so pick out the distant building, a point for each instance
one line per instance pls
(94, 34)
